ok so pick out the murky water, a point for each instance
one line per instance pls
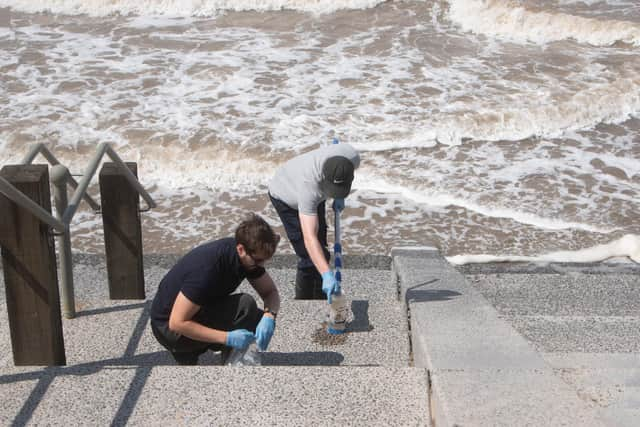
(496, 127)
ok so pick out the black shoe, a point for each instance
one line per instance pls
(187, 359)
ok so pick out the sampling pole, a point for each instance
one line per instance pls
(337, 247)
(338, 308)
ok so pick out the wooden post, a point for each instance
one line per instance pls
(29, 263)
(122, 232)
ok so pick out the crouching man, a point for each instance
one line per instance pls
(195, 309)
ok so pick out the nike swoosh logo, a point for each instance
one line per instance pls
(338, 181)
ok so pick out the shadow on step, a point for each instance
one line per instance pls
(304, 358)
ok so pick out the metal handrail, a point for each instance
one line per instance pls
(42, 149)
(18, 197)
(103, 149)
(66, 210)
(81, 187)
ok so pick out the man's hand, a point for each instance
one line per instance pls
(338, 205)
(264, 331)
(239, 338)
(330, 285)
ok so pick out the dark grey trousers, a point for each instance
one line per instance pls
(308, 280)
(236, 311)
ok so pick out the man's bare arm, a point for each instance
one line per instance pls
(268, 291)
(180, 321)
(309, 225)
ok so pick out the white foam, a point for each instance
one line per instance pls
(376, 113)
(511, 20)
(610, 102)
(625, 10)
(209, 109)
(6, 34)
(145, 21)
(202, 172)
(626, 246)
(180, 7)
(628, 3)
(440, 200)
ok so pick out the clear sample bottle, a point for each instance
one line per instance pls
(338, 313)
(249, 356)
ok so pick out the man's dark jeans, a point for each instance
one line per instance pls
(307, 273)
(237, 311)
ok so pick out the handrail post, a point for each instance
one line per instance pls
(133, 180)
(29, 264)
(122, 232)
(66, 208)
(60, 177)
(17, 197)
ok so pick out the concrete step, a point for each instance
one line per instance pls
(586, 326)
(118, 374)
(482, 371)
(570, 294)
(215, 395)
(118, 332)
(588, 334)
(610, 380)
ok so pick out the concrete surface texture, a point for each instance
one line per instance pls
(117, 373)
(427, 344)
(585, 326)
(525, 345)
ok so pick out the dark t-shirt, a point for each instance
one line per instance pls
(208, 272)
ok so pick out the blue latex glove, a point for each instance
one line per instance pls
(338, 205)
(264, 332)
(239, 338)
(330, 285)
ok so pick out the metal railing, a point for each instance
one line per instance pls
(65, 210)
(42, 149)
(17, 197)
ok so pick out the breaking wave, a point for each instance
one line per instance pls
(511, 20)
(181, 7)
(611, 102)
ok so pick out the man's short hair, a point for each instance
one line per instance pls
(257, 236)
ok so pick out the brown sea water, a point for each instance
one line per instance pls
(499, 139)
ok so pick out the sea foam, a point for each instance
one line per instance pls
(180, 7)
(626, 246)
(437, 199)
(510, 20)
(209, 111)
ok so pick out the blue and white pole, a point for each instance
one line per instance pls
(337, 247)
(338, 310)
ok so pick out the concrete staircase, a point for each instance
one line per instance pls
(524, 349)
(428, 345)
(117, 374)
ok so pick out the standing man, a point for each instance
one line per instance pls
(298, 192)
(195, 309)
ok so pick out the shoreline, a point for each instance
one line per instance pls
(385, 262)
